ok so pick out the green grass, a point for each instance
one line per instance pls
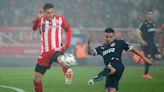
(53, 80)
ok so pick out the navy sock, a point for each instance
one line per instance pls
(146, 68)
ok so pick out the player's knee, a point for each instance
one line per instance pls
(158, 56)
(57, 56)
(112, 69)
(36, 80)
(110, 90)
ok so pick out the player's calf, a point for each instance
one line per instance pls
(69, 76)
(37, 83)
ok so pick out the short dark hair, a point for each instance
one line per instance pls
(109, 30)
(48, 6)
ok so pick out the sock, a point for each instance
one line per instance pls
(64, 69)
(146, 68)
(69, 75)
(38, 86)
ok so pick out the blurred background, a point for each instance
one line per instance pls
(20, 46)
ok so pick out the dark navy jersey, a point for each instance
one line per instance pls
(112, 52)
(147, 30)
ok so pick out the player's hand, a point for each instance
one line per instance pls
(40, 14)
(90, 39)
(147, 60)
(144, 43)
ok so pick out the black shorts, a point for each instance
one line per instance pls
(112, 81)
(55, 56)
(42, 69)
(151, 50)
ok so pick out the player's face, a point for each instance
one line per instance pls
(49, 13)
(109, 37)
(150, 15)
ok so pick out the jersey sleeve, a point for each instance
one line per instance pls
(142, 27)
(68, 31)
(98, 50)
(65, 25)
(125, 45)
(36, 24)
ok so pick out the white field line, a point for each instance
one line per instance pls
(16, 89)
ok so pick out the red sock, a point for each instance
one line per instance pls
(64, 69)
(38, 86)
(69, 74)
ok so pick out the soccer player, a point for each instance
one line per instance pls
(145, 34)
(50, 25)
(111, 52)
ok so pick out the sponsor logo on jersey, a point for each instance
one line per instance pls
(108, 51)
(151, 30)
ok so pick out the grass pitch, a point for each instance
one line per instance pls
(53, 80)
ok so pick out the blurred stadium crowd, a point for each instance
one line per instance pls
(82, 13)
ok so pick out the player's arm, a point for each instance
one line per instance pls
(90, 50)
(136, 51)
(36, 22)
(68, 31)
(142, 41)
(139, 31)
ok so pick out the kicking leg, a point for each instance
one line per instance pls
(68, 74)
(107, 71)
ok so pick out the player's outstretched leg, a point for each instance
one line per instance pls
(99, 77)
(67, 61)
(107, 71)
(68, 74)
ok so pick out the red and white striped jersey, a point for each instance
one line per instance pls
(51, 33)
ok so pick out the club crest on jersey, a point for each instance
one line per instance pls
(113, 44)
(57, 21)
(102, 47)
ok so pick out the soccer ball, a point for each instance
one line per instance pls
(68, 60)
(91, 82)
